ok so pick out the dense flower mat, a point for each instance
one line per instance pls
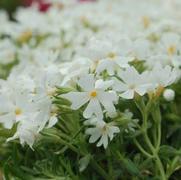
(91, 90)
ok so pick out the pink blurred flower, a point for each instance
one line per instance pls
(42, 4)
(86, 0)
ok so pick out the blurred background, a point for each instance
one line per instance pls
(11, 5)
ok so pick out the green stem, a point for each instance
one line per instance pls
(155, 155)
(159, 136)
(160, 167)
(99, 169)
(71, 140)
(109, 159)
(154, 150)
(172, 167)
(157, 116)
(141, 149)
(94, 164)
(148, 142)
(154, 133)
(73, 148)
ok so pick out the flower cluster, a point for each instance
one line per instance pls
(107, 51)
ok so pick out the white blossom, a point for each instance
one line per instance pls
(132, 82)
(102, 132)
(96, 94)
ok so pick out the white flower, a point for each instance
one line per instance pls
(72, 70)
(132, 82)
(95, 93)
(166, 51)
(32, 111)
(162, 59)
(7, 52)
(31, 116)
(46, 81)
(108, 54)
(47, 47)
(112, 63)
(102, 131)
(24, 83)
(163, 76)
(27, 132)
(140, 49)
(169, 94)
(170, 43)
(98, 49)
(33, 122)
(14, 108)
(173, 6)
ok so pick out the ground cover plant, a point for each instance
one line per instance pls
(91, 91)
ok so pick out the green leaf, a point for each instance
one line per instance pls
(168, 151)
(129, 165)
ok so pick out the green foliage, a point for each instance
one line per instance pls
(10, 5)
(5, 69)
(152, 152)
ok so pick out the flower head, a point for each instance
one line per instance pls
(96, 94)
(132, 82)
(103, 132)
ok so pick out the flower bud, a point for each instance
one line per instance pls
(169, 95)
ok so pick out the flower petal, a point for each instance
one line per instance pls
(93, 107)
(129, 94)
(103, 141)
(103, 85)
(119, 86)
(107, 99)
(87, 82)
(94, 136)
(77, 99)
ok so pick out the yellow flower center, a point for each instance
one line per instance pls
(146, 21)
(171, 50)
(132, 86)
(104, 129)
(18, 111)
(112, 55)
(93, 94)
(95, 64)
(85, 21)
(25, 36)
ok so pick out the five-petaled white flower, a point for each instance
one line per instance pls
(132, 82)
(95, 92)
(102, 131)
(112, 63)
(163, 76)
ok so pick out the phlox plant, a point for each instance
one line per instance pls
(91, 91)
